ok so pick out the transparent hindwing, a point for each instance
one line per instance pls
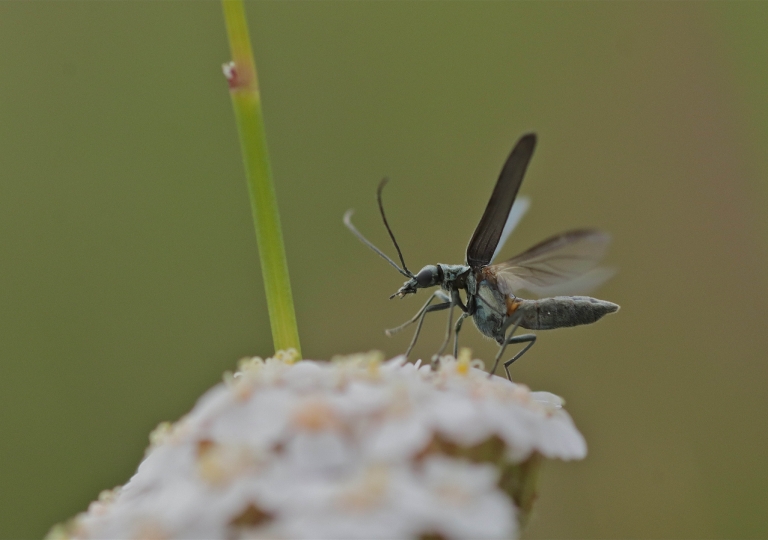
(563, 264)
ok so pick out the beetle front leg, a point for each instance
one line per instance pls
(455, 301)
(426, 308)
(437, 294)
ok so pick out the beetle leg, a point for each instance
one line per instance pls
(426, 308)
(530, 339)
(437, 294)
(456, 330)
(509, 339)
(455, 301)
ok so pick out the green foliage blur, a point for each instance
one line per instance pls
(128, 273)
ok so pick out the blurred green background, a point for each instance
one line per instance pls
(128, 272)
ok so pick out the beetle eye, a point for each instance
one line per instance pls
(425, 277)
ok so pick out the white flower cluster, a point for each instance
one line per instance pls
(353, 448)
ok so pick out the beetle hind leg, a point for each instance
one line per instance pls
(530, 339)
(510, 339)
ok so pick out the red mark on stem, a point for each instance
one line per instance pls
(230, 72)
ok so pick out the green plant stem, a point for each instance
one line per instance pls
(244, 89)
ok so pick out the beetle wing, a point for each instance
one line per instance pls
(565, 262)
(519, 208)
(486, 237)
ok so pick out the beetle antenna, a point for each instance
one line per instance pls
(364, 240)
(386, 224)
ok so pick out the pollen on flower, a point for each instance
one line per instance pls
(152, 531)
(106, 499)
(108, 496)
(453, 493)
(256, 371)
(366, 492)
(463, 361)
(354, 448)
(167, 433)
(315, 415)
(160, 434)
(289, 356)
(356, 361)
(218, 464)
(355, 366)
(249, 364)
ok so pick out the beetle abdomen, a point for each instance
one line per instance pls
(562, 311)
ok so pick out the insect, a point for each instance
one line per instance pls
(563, 261)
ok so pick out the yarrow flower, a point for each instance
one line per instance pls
(352, 448)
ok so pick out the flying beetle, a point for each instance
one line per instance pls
(562, 261)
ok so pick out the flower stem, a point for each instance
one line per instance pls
(244, 89)
(520, 481)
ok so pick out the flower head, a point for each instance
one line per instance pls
(353, 448)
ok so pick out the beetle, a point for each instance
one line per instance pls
(569, 259)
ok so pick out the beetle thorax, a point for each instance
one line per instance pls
(454, 276)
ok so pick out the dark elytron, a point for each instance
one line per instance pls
(568, 260)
